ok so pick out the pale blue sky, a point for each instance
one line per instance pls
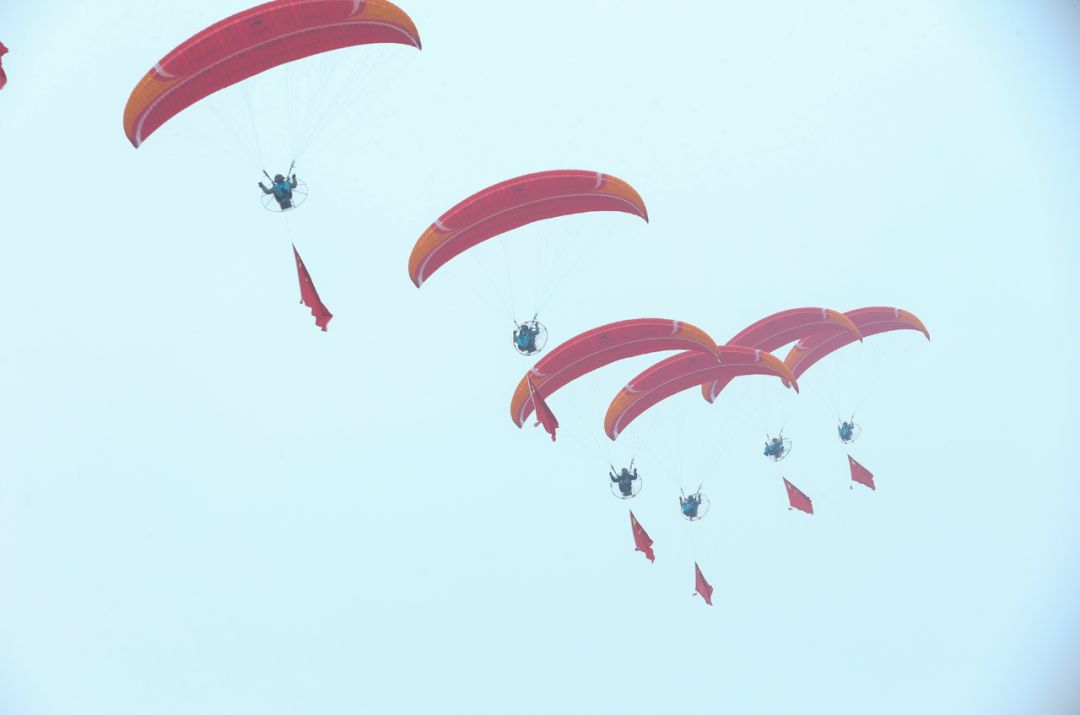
(209, 506)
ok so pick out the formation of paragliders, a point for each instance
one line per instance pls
(701, 363)
(280, 32)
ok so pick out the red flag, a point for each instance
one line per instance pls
(797, 499)
(3, 77)
(701, 586)
(544, 415)
(861, 474)
(642, 542)
(309, 296)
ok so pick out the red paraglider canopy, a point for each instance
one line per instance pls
(681, 372)
(515, 203)
(870, 321)
(779, 329)
(254, 41)
(602, 346)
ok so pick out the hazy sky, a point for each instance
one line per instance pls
(210, 506)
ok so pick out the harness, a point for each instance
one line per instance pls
(525, 338)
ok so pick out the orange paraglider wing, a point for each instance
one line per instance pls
(602, 346)
(779, 329)
(513, 204)
(681, 372)
(870, 321)
(254, 41)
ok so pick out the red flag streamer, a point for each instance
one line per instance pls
(642, 542)
(701, 586)
(309, 296)
(544, 415)
(861, 474)
(797, 499)
(3, 77)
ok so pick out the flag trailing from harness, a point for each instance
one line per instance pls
(701, 586)
(544, 415)
(861, 474)
(797, 499)
(642, 542)
(309, 296)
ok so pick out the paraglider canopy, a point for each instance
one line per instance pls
(515, 203)
(779, 329)
(599, 347)
(253, 41)
(869, 321)
(680, 372)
